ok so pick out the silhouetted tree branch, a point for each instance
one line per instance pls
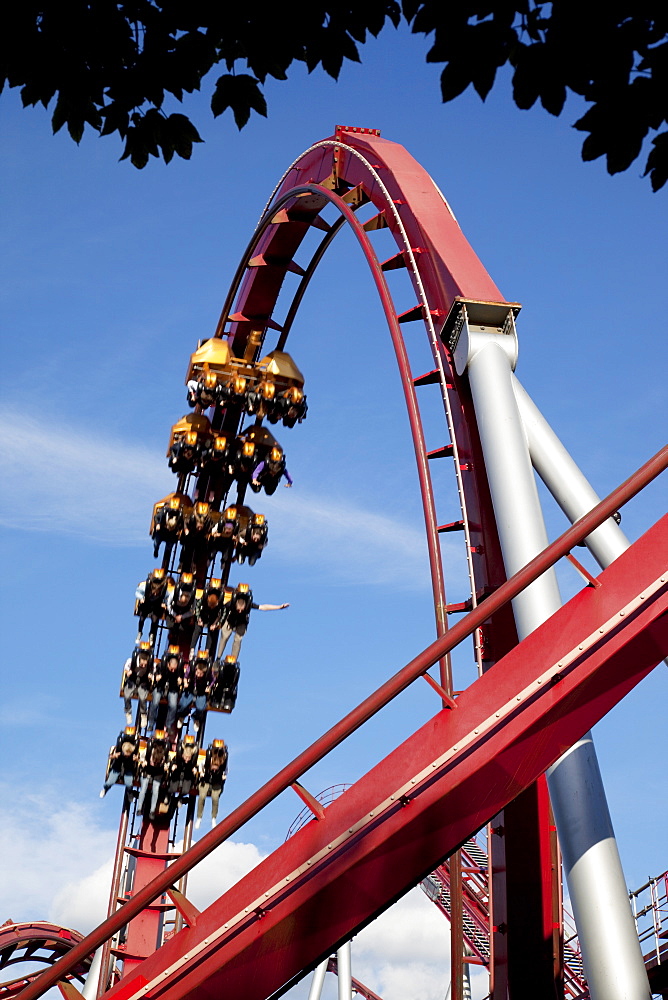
(110, 66)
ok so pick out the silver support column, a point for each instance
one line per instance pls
(344, 972)
(318, 980)
(89, 990)
(610, 949)
(565, 480)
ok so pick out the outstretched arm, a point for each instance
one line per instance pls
(272, 607)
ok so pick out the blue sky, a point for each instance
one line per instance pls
(111, 276)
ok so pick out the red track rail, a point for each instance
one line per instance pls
(36, 942)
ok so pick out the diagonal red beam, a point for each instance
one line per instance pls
(369, 707)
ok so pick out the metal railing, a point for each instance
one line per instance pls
(650, 909)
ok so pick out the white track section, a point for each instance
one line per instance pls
(431, 331)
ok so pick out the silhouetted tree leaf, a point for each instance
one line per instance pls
(242, 94)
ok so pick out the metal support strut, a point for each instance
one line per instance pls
(611, 952)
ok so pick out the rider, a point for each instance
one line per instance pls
(217, 467)
(204, 390)
(167, 525)
(137, 680)
(290, 407)
(253, 539)
(269, 471)
(225, 535)
(212, 780)
(153, 771)
(196, 689)
(168, 681)
(210, 611)
(183, 772)
(237, 618)
(262, 399)
(123, 760)
(185, 453)
(224, 686)
(180, 609)
(195, 535)
(150, 598)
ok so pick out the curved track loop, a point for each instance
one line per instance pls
(442, 267)
(32, 943)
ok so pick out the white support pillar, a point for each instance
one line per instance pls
(611, 952)
(565, 480)
(344, 974)
(89, 990)
(318, 981)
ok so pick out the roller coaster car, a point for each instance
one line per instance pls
(279, 367)
(276, 368)
(261, 437)
(224, 688)
(171, 508)
(191, 423)
(290, 407)
(212, 355)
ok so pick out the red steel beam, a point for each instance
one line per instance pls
(356, 718)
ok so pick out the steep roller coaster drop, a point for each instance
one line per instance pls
(545, 673)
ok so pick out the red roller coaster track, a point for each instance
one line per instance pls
(482, 757)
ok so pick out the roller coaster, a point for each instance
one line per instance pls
(481, 805)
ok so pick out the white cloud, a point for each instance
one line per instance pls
(61, 478)
(64, 479)
(57, 861)
(46, 846)
(82, 902)
(346, 540)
